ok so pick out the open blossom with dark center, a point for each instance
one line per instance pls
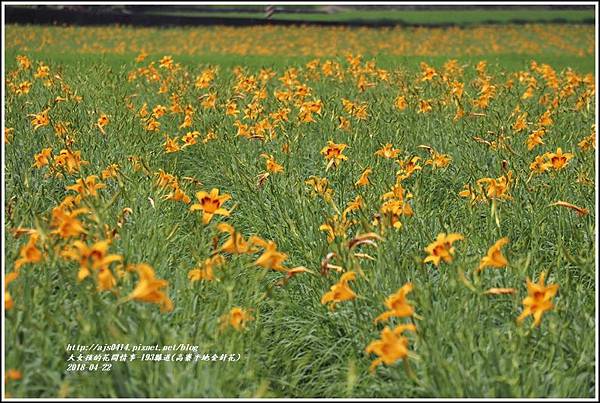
(559, 160)
(334, 153)
(538, 300)
(441, 248)
(40, 119)
(189, 138)
(102, 122)
(23, 88)
(210, 204)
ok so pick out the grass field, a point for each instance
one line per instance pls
(343, 159)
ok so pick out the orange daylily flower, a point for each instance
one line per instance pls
(178, 195)
(87, 187)
(340, 291)
(364, 178)
(320, 187)
(391, 347)
(397, 304)
(333, 153)
(540, 165)
(171, 145)
(438, 160)
(271, 258)
(66, 223)
(211, 204)
(559, 160)
(102, 122)
(272, 165)
(538, 300)
(189, 138)
(40, 119)
(408, 166)
(494, 257)
(588, 142)
(235, 244)
(237, 318)
(400, 103)
(29, 252)
(388, 151)
(8, 301)
(336, 228)
(69, 160)
(521, 123)
(535, 139)
(424, 106)
(12, 375)
(41, 159)
(96, 258)
(149, 288)
(111, 171)
(205, 272)
(441, 248)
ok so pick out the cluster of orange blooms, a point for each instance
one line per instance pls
(272, 40)
(263, 107)
(70, 236)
